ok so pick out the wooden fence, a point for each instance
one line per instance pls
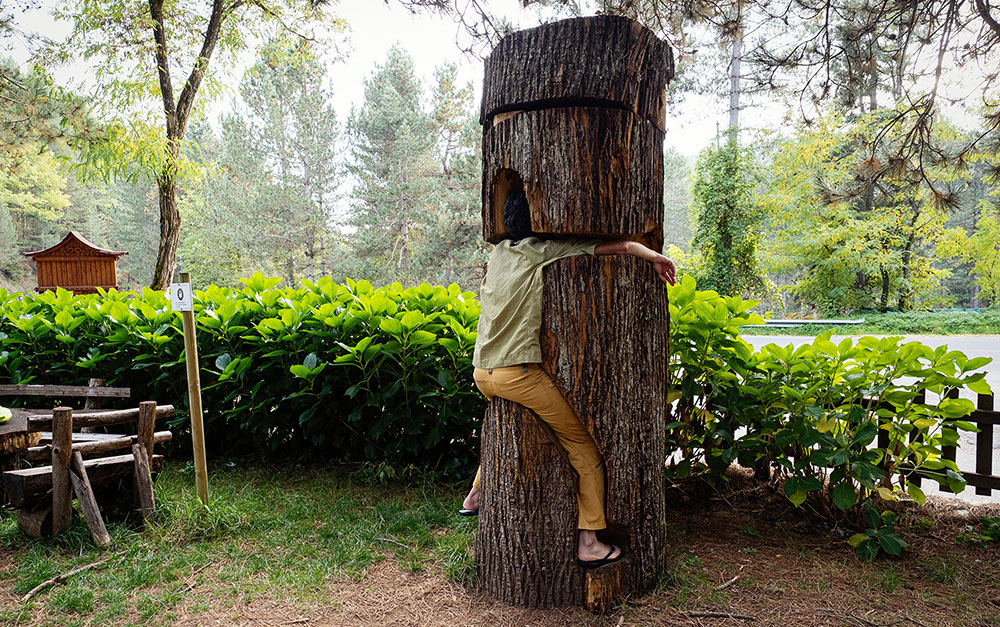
(986, 417)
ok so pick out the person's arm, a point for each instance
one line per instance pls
(664, 266)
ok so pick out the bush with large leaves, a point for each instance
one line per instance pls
(325, 371)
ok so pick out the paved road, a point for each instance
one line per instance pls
(972, 346)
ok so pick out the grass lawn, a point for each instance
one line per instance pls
(307, 546)
(912, 322)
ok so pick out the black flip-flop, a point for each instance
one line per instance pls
(468, 512)
(602, 562)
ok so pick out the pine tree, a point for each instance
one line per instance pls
(453, 250)
(293, 128)
(392, 138)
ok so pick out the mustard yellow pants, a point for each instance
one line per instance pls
(530, 385)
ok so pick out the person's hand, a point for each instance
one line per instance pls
(665, 269)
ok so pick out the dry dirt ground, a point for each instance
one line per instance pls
(791, 571)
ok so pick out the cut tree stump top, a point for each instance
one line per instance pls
(601, 61)
(14, 434)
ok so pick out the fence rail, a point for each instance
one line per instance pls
(986, 417)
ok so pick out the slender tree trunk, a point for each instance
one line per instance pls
(170, 232)
(310, 253)
(883, 303)
(177, 113)
(735, 57)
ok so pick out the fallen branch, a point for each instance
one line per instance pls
(60, 578)
(700, 614)
(728, 583)
(194, 581)
(408, 548)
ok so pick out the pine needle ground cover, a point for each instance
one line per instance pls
(314, 546)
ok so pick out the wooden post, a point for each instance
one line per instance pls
(62, 451)
(92, 402)
(88, 503)
(984, 444)
(144, 483)
(147, 426)
(573, 115)
(194, 396)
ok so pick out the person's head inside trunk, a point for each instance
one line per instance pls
(516, 216)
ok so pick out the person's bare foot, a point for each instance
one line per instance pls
(471, 501)
(591, 549)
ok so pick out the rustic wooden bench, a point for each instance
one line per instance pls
(44, 495)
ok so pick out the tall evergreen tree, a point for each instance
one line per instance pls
(292, 126)
(452, 249)
(729, 221)
(392, 140)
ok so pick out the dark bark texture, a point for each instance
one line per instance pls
(605, 61)
(605, 343)
(586, 171)
(573, 116)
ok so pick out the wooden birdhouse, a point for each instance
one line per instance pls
(77, 265)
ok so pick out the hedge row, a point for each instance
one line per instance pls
(348, 372)
(812, 415)
(328, 371)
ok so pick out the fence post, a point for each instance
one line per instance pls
(984, 444)
(949, 452)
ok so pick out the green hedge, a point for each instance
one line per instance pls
(981, 322)
(327, 371)
(813, 414)
(352, 373)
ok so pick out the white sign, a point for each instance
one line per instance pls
(181, 298)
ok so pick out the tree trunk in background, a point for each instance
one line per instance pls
(170, 233)
(735, 57)
(573, 116)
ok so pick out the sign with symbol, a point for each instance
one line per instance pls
(181, 298)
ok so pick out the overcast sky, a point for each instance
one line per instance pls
(430, 38)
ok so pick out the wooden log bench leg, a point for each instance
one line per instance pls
(144, 484)
(88, 503)
(35, 519)
(62, 450)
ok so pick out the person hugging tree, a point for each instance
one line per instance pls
(508, 357)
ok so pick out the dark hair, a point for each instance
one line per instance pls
(516, 216)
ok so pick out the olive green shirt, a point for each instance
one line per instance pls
(511, 299)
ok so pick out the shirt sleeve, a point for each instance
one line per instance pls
(561, 248)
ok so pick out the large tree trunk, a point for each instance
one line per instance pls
(573, 116)
(605, 342)
(587, 171)
(170, 233)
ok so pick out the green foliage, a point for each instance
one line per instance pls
(982, 249)
(267, 202)
(813, 414)
(879, 536)
(728, 221)
(36, 112)
(392, 139)
(332, 371)
(986, 322)
(990, 532)
(854, 228)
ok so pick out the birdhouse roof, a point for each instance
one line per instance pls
(75, 245)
